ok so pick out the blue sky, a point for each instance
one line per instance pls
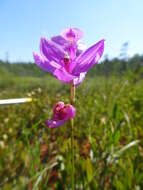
(23, 22)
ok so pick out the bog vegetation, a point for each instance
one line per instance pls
(108, 129)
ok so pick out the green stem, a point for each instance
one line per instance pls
(72, 93)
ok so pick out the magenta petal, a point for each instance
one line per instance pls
(54, 124)
(51, 50)
(85, 60)
(63, 75)
(62, 113)
(72, 34)
(70, 48)
(79, 79)
(58, 106)
(70, 112)
(59, 40)
(44, 64)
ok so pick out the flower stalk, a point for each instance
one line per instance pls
(72, 93)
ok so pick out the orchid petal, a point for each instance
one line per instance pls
(63, 75)
(70, 112)
(54, 124)
(72, 34)
(51, 50)
(70, 48)
(45, 64)
(85, 60)
(59, 40)
(80, 48)
(79, 79)
(58, 106)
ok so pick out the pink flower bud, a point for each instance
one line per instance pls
(61, 113)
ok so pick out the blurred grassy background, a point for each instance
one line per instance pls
(109, 116)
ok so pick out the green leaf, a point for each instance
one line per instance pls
(116, 137)
(115, 110)
(89, 169)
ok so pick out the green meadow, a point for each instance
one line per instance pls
(108, 129)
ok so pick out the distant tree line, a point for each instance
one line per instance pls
(108, 67)
(119, 67)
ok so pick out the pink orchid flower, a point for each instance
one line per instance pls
(61, 113)
(62, 57)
